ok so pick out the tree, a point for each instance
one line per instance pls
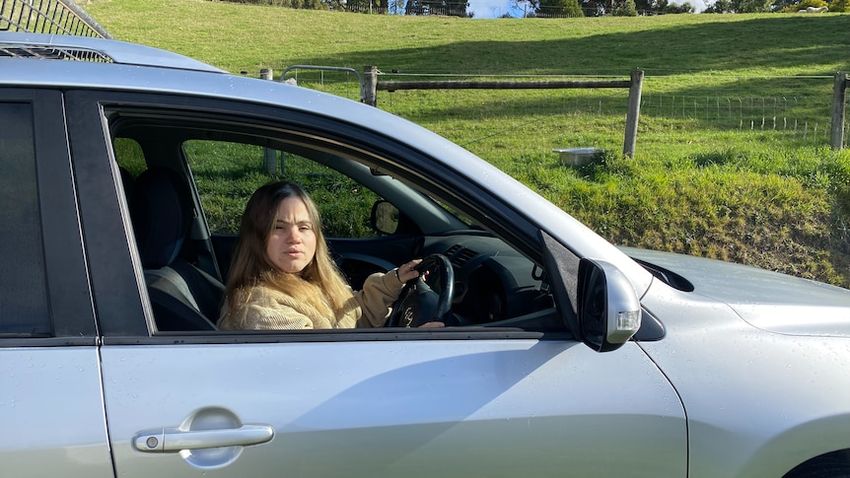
(558, 8)
(452, 8)
(804, 4)
(626, 8)
(673, 8)
(839, 6)
(396, 7)
(781, 5)
(414, 7)
(751, 6)
(720, 6)
(359, 5)
(573, 9)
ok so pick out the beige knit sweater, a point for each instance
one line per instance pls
(267, 308)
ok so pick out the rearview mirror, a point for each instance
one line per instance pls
(609, 312)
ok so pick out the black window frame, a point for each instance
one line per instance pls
(129, 309)
(69, 297)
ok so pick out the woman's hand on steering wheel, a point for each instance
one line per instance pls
(407, 271)
(419, 303)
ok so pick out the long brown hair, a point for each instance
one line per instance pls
(251, 265)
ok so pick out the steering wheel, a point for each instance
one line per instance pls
(425, 300)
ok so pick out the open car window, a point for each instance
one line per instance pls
(220, 166)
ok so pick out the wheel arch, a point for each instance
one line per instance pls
(807, 445)
(824, 465)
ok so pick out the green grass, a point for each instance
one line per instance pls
(227, 173)
(714, 173)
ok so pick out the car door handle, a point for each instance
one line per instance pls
(173, 439)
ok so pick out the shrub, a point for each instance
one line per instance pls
(626, 8)
(804, 5)
(559, 8)
(839, 6)
(673, 8)
(573, 9)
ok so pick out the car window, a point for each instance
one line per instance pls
(129, 155)
(23, 302)
(214, 164)
(226, 173)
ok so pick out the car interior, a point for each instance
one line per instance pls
(186, 183)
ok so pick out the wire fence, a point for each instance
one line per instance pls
(799, 115)
(62, 17)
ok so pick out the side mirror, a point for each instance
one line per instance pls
(384, 217)
(609, 312)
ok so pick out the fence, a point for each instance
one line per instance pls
(840, 85)
(559, 12)
(370, 9)
(801, 114)
(62, 17)
(371, 85)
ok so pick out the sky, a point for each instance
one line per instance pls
(497, 8)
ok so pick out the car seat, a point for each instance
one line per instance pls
(183, 297)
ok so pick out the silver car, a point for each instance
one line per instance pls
(123, 176)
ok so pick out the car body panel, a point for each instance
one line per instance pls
(412, 408)
(758, 403)
(765, 299)
(118, 51)
(52, 414)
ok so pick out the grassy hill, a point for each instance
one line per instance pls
(731, 159)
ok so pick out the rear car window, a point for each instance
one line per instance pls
(23, 288)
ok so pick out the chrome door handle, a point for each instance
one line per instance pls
(173, 439)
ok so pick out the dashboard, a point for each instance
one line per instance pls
(494, 285)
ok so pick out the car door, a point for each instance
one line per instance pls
(357, 403)
(51, 408)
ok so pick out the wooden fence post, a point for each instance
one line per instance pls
(269, 155)
(369, 86)
(634, 113)
(838, 95)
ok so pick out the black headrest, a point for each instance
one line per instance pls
(162, 212)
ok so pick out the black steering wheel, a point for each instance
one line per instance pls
(425, 299)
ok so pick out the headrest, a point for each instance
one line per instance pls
(162, 212)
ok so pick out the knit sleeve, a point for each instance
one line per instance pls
(378, 294)
(257, 317)
(260, 311)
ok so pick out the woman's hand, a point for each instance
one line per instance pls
(407, 271)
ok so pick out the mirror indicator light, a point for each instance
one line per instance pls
(628, 320)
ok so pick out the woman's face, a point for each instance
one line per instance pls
(292, 243)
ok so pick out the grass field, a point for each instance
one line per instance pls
(718, 172)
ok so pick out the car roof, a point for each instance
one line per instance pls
(111, 51)
(145, 69)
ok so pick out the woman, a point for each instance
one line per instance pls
(282, 276)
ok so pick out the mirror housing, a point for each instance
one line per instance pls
(609, 311)
(384, 217)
